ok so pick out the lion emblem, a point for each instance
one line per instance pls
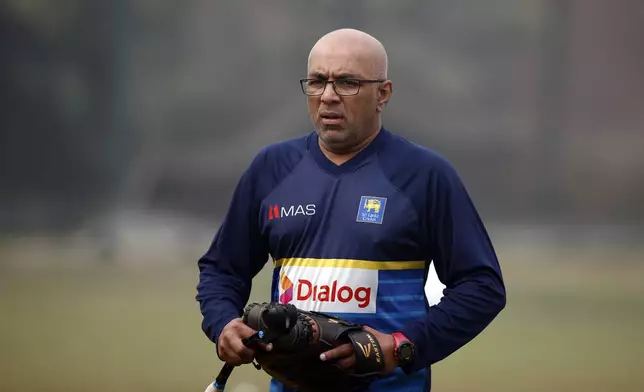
(372, 205)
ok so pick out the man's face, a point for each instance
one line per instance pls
(342, 122)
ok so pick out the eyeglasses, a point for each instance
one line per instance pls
(344, 86)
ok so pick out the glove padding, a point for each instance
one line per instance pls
(295, 357)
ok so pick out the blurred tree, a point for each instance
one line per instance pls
(64, 137)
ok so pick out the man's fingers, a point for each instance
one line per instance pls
(243, 330)
(232, 348)
(232, 358)
(266, 347)
(341, 351)
(369, 329)
(348, 362)
(243, 352)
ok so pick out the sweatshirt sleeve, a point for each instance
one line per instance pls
(466, 263)
(237, 253)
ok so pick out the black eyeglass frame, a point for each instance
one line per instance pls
(360, 82)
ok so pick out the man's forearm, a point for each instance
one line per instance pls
(465, 310)
(221, 298)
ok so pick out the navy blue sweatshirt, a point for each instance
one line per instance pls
(356, 240)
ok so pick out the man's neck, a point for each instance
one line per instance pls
(341, 157)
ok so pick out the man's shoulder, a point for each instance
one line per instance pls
(296, 144)
(403, 153)
(275, 161)
(285, 153)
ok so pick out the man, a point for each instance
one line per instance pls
(353, 215)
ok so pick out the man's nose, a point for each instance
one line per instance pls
(329, 94)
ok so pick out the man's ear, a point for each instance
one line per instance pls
(384, 94)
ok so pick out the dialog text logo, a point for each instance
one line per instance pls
(345, 290)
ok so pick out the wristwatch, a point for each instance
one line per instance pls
(403, 350)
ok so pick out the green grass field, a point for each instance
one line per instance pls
(568, 326)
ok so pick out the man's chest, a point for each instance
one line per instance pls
(359, 215)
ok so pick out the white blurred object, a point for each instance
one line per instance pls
(244, 387)
(433, 288)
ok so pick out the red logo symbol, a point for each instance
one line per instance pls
(287, 286)
(273, 212)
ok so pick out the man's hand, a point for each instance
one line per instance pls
(346, 358)
(231, 348)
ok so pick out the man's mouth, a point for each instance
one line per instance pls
(329, 117)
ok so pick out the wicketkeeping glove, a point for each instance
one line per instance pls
(295, 357)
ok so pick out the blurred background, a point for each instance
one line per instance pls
(125, 126)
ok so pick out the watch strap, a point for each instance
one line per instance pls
(399, 339)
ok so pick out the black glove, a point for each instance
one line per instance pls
(295, 357)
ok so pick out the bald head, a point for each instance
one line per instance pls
(368, 53)
(347, 115)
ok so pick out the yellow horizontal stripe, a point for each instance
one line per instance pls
(350, 263)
